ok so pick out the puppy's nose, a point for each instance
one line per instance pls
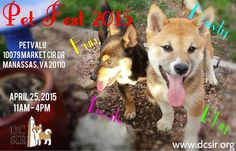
(181, 68)
(93, 77)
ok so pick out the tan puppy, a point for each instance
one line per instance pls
(175, 77)
(40, 135)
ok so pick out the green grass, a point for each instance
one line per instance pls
(137, 8)
(169, 12)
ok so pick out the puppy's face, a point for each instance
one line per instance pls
(113, 64)
(176, 48)
(115, 61)
(37, 129)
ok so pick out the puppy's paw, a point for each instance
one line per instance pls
(164, 125)
(212, 80)
(130, 114)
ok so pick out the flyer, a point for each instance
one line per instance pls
(118, 75)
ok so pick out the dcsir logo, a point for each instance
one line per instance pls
(36, 134)
(18, 136)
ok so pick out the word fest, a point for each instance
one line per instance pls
(12, 10)
(222, 127)
(113, 118)
(208, 24)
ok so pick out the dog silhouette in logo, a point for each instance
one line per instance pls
(40, 135)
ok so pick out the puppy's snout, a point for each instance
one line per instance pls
(181, 68)
(93, 77)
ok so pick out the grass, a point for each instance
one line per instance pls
(137, 8)
(169, 12)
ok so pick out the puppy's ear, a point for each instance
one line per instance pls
(130, 37)
(156, 20)
(112, 29)
(204, 21)
(40, 125)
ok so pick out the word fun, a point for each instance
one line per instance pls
(87, 44)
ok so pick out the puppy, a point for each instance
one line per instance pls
(123, 58)
(40, 135)
(177, 51)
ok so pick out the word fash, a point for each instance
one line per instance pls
(113, 118)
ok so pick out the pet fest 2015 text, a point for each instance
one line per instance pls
(12, 10)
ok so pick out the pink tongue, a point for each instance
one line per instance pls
(101, 85)
(176, 92)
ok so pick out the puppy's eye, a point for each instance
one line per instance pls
(105, 58)
(108, 61)
(167, 48)
(191, 49)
